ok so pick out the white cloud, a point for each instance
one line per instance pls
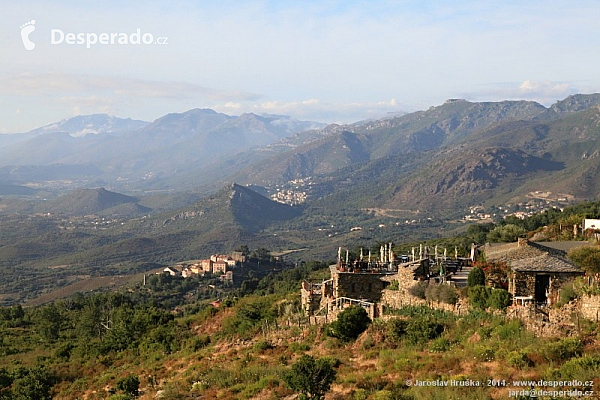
(316, 110)
(61, 83)
(545, 88)
(544, 92)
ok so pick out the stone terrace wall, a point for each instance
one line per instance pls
(359, 285)
(401, 298)
(590, 307)
(547, 321)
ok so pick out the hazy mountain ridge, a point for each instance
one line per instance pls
(171, 144)
(92, 201)
(233, 205)
(452, 155)
(204, 148)
(416, 132)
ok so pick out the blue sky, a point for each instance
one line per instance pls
(331, 61)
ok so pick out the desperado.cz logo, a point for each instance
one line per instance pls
(57, 37)
(89, 39)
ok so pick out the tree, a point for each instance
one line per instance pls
(587, 258)
(476, 277)
(311, 377)
(130, 385)
(49, 320)
(32, 384)
(479, 297)
(500, 299)
(350, 323)
(478, 232)
(505, 233)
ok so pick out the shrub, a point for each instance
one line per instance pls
(518, 359)
(563, 350)
(251, 313)
(505, 233)
(587, 258)
(479, 296)
(360, 394)
(440, 345)
(396, 329)
(262, 346)
(499, 299)
(311, 377)
(350, 323)
(567, 293)
(476, 277)
(586, 368)
(509, 330)
(418, 290)
(383, 395)
(444, 293)
(130, 385)
(422, 329)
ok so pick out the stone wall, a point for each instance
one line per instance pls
(523, 284)
(401, 298)
(590, 307)
(359, 285)
(547, 321)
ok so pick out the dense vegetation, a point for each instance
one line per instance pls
(256, 342)
(171, 335)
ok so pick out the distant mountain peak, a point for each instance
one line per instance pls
(83, 125)
(576, 102)
(89, 201)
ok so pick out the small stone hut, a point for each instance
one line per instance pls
(537, 272)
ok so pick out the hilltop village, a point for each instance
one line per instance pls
(217, 264)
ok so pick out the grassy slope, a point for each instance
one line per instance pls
(476, 347)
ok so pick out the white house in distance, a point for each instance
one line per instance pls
(591, 224)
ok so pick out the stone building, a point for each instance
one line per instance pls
(358, 283)
(536, 272)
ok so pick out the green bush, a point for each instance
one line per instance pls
(440, 345)
(476, 277)
(121, 396)
(587, 258)
(420, 330)
(29, 384)
(479, 296)
(444, 293)
(311, 377)
(251, 313)
(505, 233)
(350, 323)
(518, 359)
(509, 330)
(563, 349)
(262, 346)
(499, 299)
(396, 329)
(129, 385)
(586, 368)
(567, 293)
(418, 290)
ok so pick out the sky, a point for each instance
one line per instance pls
(327, 61)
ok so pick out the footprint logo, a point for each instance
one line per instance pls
(26, 29)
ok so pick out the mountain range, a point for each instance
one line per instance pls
(125, 153)
(450, 156)
(398, 178)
